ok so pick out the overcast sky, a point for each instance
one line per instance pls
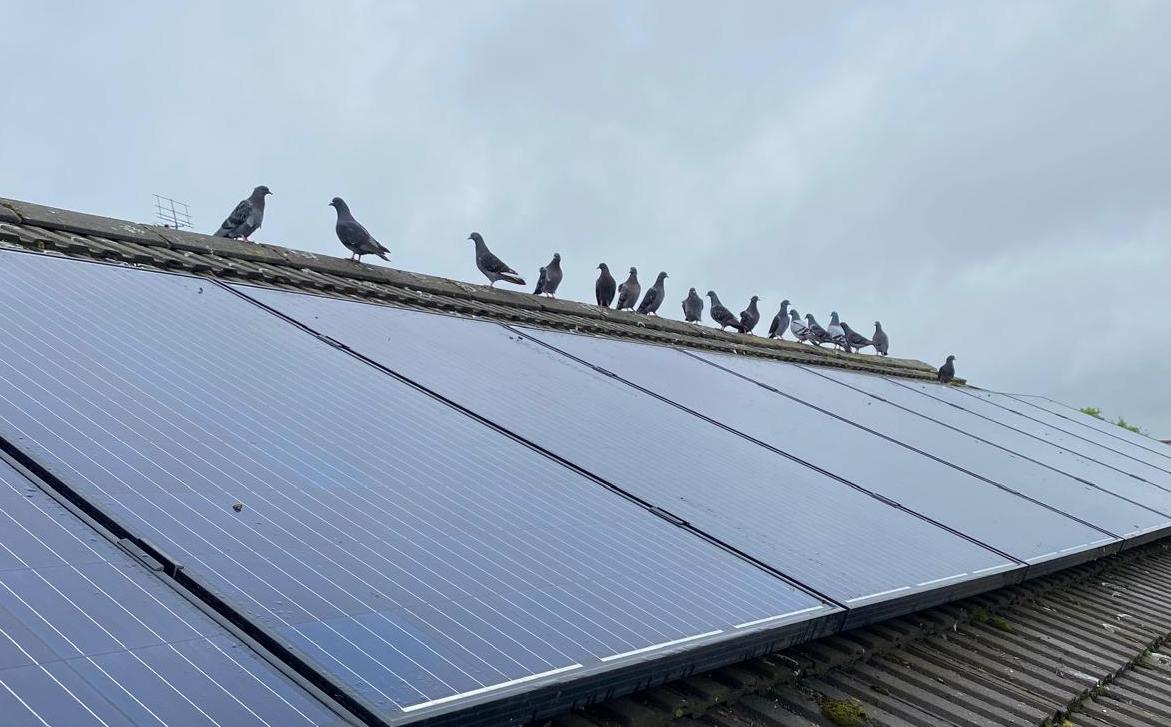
(988, 179)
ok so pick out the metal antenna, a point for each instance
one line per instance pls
(171, 213)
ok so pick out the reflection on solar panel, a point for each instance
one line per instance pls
(1024, 529)
(1096, 437)
(1081, 500)
(89, 637)
(411, 553)
(826, 534)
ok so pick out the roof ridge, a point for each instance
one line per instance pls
(107, 237)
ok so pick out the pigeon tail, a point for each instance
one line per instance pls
(511, 278)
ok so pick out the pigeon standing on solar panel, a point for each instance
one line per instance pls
(856, 340)
(605, 287)
(799, 329)
(780, 321)
(817, 334)
(491, 266)
(881, 342)
(356, 238)
(750, 316)
(247, 216)
(550, 277)
(692, 307)
(947, 371)
(654, 297)
(628, 291)
(722, 315)
(837, 334)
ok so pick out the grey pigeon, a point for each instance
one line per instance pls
(856, 340)
(356, 238)
(837, 334)
(550, 277)
(628, 292)
(605, 287)
(722, 315)
(780, 321)
(881, 342)
(692, 307)
(540, 282)
(491, 266)
(817, 334)
(654, 297)
(799, 329)
(247, 216)
(947, 371)
(750, 316)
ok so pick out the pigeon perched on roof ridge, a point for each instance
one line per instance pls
(353, 235)
(654, 296)
(880, 340)
(721, 314)
(780, 321)
(629, 291)
(491, 266)
(551, 277)
(837, 334)
(799, 329)
(817, 334)
(540, 281)
(750, 316)
(947, 371)
(246, 217)
(605, 287)
(856, 340)
(693, 307)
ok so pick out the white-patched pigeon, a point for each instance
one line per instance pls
(654, 297)
(722, 315)
(247, 216)
(799, 329)
(356, 238)
(837, 334)
(605, 287)
(692, 307)
(491, 266)
(780, 321)
(629, 291)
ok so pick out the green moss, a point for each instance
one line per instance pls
(980, 615)
(845, 712)
(998, 622)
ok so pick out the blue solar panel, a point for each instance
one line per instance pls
(1105, 510)
(822, 532)
(411, 553)
(90, 637)
(1007, 521)
(1080, 419)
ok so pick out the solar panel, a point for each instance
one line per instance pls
(1004, 520)
(1097, 440)
(1105, 510)
(825, 534)
(1104, 427)
(1116, 472)
(417, 557)
(90, 637)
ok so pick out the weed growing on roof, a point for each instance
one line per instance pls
(980, 615)
(998, 622)
(845, 712)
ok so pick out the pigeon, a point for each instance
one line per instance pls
(550, 277)
(780, 321)
(750, 316)
(881, 342)
(247, 216)
(628, 291)
(947, 371)
(837, 334)
(654, 297)
(693, 307)
(817, 334)
(799, 329)
(356, 238)
(856, 340)
(722, 315)
(605, 287)
(491, 266)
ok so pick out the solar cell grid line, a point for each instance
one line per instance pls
(1074, 447)
(163, 404)
(987, 511)
(1104, 508)
(1073, 428)
(1102, 426)
(826, 534)
(89, 637)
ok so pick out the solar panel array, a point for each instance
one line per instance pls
(434, 515)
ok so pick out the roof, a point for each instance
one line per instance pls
(1088, 645)
(77, 234)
